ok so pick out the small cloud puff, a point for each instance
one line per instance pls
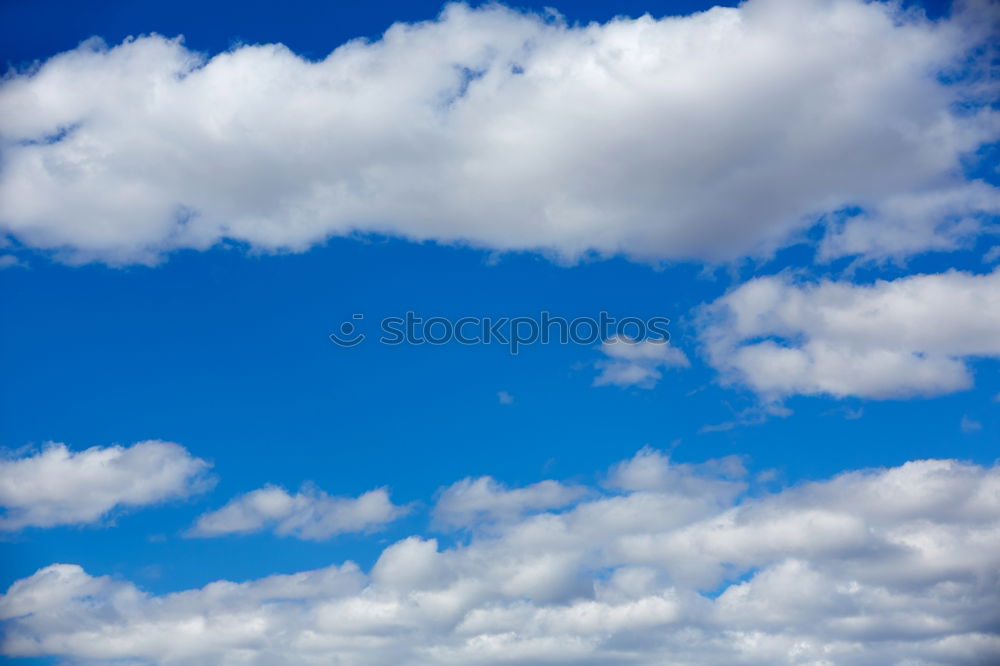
(969, 425)
(637, 363)
(11, 261)
(308, 514)
(484, 500)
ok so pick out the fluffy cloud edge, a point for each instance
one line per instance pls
(58, 486)
(310, 513)
(814, 108)
(672, 564)
(908, 337)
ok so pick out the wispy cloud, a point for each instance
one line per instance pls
(10, 261)
(969, 425)
(637, 363)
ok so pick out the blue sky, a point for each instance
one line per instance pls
(134, 309)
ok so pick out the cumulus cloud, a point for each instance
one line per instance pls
(896, 338)
(650, 469)
(637, 363)
(308, 514)
(676, 565)
(940, 220)
(711, 136)
(472, 501)
(57, 486)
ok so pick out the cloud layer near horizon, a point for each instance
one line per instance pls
(513, 131)
(668, 564)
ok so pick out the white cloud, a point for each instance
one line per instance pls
(505, 398)
(940, 220)
(650, 469)
(887, 566)
(56, 486)
(637, 363)
(711, 136)
(472, 501)
(308, 514)
(898, 338)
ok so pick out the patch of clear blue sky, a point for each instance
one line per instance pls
(35, 29)
(228, 354)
